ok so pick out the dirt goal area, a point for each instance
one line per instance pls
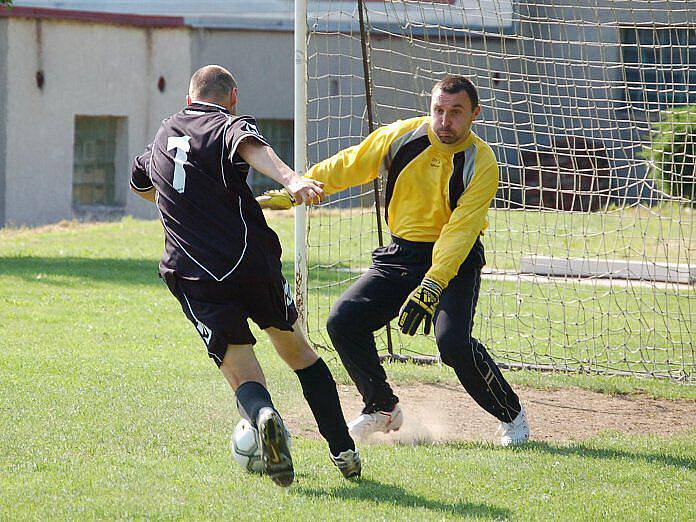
(445, 412)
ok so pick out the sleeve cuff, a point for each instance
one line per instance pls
(438, 279)
(233, 150)
(140, 189)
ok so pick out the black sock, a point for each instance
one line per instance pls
(319, 389)
(251, 397)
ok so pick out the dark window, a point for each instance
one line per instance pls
(660, 66)
(94, 163)
(279, 134)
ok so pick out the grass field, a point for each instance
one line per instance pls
(660, 234)
(110, 409)
(553, 322)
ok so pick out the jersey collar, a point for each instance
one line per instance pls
(208, 104)
(451, 148)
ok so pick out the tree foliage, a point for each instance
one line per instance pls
(673, 152)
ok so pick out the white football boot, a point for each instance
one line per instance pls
(348, 463)
(515, 432)
(379, 421)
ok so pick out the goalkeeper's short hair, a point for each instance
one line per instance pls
(454, 83)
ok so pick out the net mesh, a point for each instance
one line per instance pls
(591, 248)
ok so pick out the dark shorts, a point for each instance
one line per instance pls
(220, 310)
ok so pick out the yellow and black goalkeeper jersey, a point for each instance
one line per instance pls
(434, 192)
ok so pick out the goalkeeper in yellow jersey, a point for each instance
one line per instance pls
(440, 181)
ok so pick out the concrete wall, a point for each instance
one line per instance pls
(3, 118)
(403, 72)
(261, 62)
(559, 73)
(95, 69)
(571, 64)
(89, 69)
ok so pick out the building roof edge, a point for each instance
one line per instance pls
(136, 20)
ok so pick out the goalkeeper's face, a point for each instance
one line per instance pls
(451, 115)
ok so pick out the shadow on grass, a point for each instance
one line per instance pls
(41, 270)
(376, 492)
(583, 450)
(111, 270)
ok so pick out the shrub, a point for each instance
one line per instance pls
(673, 152)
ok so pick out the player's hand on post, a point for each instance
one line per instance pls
(420, 306)
(305, 190)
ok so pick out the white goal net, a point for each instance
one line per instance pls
(590, 108)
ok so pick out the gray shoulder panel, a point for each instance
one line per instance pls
(398, 143)
(469, 162)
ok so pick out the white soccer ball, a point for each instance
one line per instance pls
(245, 447)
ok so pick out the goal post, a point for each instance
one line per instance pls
(590, 109)
(300, 160)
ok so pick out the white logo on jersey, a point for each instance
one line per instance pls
(182, 146)
(288, 293)
(250, 127)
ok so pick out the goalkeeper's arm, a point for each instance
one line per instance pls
(263, 159)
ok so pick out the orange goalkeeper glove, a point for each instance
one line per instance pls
(420, 306)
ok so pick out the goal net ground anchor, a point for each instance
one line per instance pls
(415, 359)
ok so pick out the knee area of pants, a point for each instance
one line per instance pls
(336, 323)
(452, 353)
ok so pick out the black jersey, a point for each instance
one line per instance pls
(214, 228)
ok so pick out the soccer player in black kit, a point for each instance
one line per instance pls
(222, 261)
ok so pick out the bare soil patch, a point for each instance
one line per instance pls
(444, 412)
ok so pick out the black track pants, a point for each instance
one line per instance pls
(376, 299)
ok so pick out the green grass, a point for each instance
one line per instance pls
(623, 328)
(110, 409)
(660, 234)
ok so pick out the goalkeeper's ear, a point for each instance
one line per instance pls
(276, 200)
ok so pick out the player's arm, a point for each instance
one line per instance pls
(452, 247)
(464, 226)
(361, 163)
(350, 167)
(148, 195)
(140, 182)
(263, 159)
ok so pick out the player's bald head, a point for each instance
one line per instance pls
(212, 83)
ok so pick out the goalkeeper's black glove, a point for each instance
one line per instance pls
(420, 306)
(276, 200)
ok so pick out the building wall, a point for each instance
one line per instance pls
(89, 69)
(402, 76)
(559, 73)
(570, 59)
(543, 90)
(403, 71)
(261, 62)
(3, 112)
